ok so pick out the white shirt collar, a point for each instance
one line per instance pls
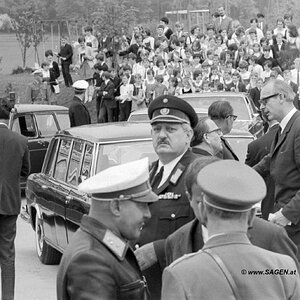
(286, 119)
(168, 168)
(204, 233)
(2, 123)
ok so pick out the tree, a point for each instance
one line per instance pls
(26, 23)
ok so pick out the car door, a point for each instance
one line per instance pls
(79, 170)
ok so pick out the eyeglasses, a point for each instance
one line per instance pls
(217, 130)
(234, 117)
(265, 100)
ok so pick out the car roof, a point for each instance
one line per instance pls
(27, 108)
(213, 94)
(109, 132)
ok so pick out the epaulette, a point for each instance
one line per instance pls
(184, 257)
(115, 244)
(177, 173)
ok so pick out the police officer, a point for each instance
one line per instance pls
(99, 263)
(172, 120)
(35, 92)
(78, 113)
(230, 189)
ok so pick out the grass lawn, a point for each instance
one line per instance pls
(19, 83)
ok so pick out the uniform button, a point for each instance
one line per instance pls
(136, 246)
(173, 216)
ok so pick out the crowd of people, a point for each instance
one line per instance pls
(226, 57)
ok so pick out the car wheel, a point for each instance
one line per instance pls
(47, 254)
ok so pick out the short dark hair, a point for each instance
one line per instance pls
(200, 129)
(48, 53)
(165, 20)
(220, 110)
(88, 28)
(260, 15)
(5, 108)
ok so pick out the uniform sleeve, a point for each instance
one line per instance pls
(171, 286)
(90, 278)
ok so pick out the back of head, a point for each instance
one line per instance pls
(199, 130)
(5, 108)
(220, 110)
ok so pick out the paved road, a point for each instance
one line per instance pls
(34, 281)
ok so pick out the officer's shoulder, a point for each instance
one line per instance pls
(183, 259)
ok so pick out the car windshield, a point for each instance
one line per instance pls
(120, 153)
(238, 103)
(63, 120)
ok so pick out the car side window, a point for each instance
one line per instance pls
(51, 159)
(62, 160)
(26, 125)
(46, 124)
(75, 163)
(87, 162)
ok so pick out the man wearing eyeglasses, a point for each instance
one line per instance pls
(207, 138)
(283, 162)
(221, 112)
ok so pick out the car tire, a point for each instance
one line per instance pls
(47, 254)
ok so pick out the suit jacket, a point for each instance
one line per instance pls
(14, 162)
(169, 213)
(198, 276)
(67, 52)
(188, 239)
(98, 264)
(108, 99)
(283, 163)
(78, 113)
(228, 152)
(226, 24)
(257, 149)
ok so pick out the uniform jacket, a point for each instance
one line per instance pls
(283, 163)
(188, 239)
(197, 276)
(78, 113)
(108, 99)
(169, 213)
(98, 264)
(257, 149)
(14, 162)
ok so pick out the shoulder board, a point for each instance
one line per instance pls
(115, 244)
(177, 173)
(182, 258)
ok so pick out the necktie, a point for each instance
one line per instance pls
(157, 179)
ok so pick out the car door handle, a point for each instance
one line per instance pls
(68, 199)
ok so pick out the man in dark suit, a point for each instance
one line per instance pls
(78, 113)
(228, 257)
(223, 22)
(172, 120)
(262, 25)
(207, 138)
(66, 54)
(257, 149)
(221, 112)
(107, 99)
(279, 46)
(14, 162)
(283, 162)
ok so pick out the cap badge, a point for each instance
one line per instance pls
(165, 100)
(164, 111)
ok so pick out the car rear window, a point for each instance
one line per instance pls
(46, 124)
(120, 153)
(238, 103)
(63, 120)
